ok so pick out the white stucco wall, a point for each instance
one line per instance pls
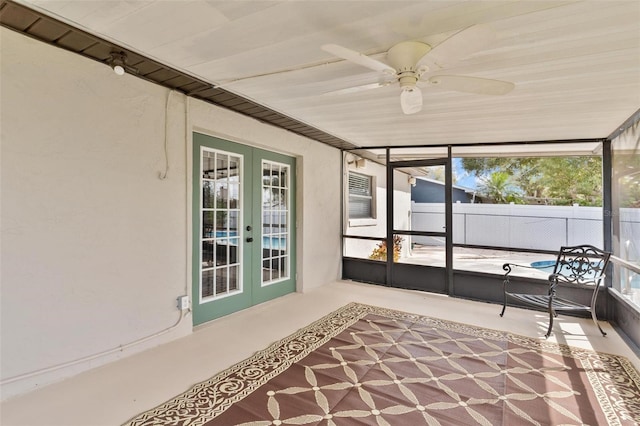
(94, 246)
(377, 227)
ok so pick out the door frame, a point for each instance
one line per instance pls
(448, 234)
(254, 292)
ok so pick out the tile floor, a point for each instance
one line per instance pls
(111, 394)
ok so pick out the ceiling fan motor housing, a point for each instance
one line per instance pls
(404, 58)
(407, 79)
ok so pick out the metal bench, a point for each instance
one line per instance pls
(583, 265)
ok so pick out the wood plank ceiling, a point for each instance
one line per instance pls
(575, 65)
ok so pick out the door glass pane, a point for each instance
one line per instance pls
(221, 280)
(208, 165)
(234, 243)
(221, 222)
(208, 254)
(234, 168)
(275, 222)
(222, 247)
(275, 268)
(232, 223)
(266, 270)
(233, 194)
(221, 217)
(222, 165)
(208, 194)
(266, 197)
(233, 278)
(208, 219)
(222, 194)
(207, 283)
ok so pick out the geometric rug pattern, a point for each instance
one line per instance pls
(366, 365)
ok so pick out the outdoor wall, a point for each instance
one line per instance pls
(95, 246)
(430, 191)
(512, 225)
(377, 227)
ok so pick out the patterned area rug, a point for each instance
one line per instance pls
(365, 365)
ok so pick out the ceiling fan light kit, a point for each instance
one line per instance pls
(409, 61)
(411, 100)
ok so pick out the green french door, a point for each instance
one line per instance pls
(243, 226)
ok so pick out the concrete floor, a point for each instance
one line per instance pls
(112, 394)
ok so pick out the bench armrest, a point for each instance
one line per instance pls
(507, 267)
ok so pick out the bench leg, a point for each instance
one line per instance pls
(595, 319)
(551, 315)
(504, 295)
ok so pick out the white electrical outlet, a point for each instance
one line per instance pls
(183, 303)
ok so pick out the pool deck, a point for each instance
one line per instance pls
(479, 260)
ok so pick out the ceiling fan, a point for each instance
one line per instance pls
(412, 63)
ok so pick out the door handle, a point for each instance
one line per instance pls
(249, 239)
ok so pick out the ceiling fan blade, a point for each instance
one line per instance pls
(356, 89)
(357, 58)
(480, 86)
(458, 46)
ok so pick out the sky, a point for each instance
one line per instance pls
(464, 178)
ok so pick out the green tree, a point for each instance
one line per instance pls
(437, 173)
(570, 180)
(563, 180)
(498, 187)
(626, 178)
(629, 188)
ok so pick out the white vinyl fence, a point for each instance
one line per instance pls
(518, 226)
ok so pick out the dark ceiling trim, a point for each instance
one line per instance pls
(457, 145)
(49, 30)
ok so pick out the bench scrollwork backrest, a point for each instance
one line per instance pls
(581, 265)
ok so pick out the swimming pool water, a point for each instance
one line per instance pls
(548, 265)
(544, 265)
(274, 243)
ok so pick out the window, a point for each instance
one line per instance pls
(361, 200)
